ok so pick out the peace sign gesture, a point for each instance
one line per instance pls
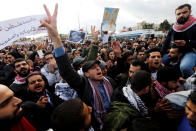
(51, 24)
(94, 33)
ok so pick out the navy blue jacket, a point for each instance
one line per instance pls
(188, 35)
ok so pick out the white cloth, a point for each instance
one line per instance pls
(64, 91)
(51, 77)
(135, 100)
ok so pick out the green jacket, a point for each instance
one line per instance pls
(120, 116)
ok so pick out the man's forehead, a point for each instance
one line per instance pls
(49, 55)
(183, 9)
(141, 52)
(34, 77)
(191, 105)
(5, 93)
(20, 62)
(155, 53)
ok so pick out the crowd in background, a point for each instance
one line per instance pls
(136, 85)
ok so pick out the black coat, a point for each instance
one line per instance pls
(188, 36)
(38, 116)
(77, 82)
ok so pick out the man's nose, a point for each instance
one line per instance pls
(17, 101)
(181, 15)
(190, 115)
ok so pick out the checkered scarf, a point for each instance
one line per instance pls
(100, 110)
(135, 100)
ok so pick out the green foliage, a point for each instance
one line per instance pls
(148, 26)
(165, 26)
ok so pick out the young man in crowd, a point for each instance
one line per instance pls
(153, 61)
(76, 119)
(94, 89)
(128, 105)
(50, 69)
(22, 69)
(182, 34)
(188, 122)
(11, 117)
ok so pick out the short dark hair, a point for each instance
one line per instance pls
(152, 50)
(48, 53)
(139, 49)
(139, 63)
(180, 49)
(192, 97)
(68, 116)
(182, 6)
(19, 60)
(12, 54)
(140, 80)
(166, 74)
(126, 55)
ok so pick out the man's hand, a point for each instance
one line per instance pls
(95, 33)
(162, 105)
(181, 43)
(51, 24)
(116, 48)
(52, 65)
(39, 46)
(43, 100)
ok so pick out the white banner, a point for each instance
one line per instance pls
(14, 29)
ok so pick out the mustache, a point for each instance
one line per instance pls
(23, 69)
(18, 107)
(38, 86)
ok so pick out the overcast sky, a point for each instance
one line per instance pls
(90, 12)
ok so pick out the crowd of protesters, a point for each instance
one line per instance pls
(124, 84)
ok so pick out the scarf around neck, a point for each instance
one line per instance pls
(161, 90)
(100, 110)
(183, 27)
(22, 125)
(22, 80)
(135, 100)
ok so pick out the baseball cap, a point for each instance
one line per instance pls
(102, 64)
(89, 65)
(78, 60)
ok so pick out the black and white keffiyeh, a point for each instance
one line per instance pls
(134, 100)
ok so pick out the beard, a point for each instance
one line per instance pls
(24, 74)
(173, 59)
(182, 20)
(7, 122)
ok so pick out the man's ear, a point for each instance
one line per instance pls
(14, 70)
(86, 74)
(147, 60)
(180, 55)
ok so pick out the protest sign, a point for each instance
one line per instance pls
(109, 19)
(76, 36)
(14, 29)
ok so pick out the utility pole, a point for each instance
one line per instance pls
(79, 22)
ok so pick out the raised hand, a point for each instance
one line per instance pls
(95, 33)
(51, 24)
(116, 48)
(43, 100)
